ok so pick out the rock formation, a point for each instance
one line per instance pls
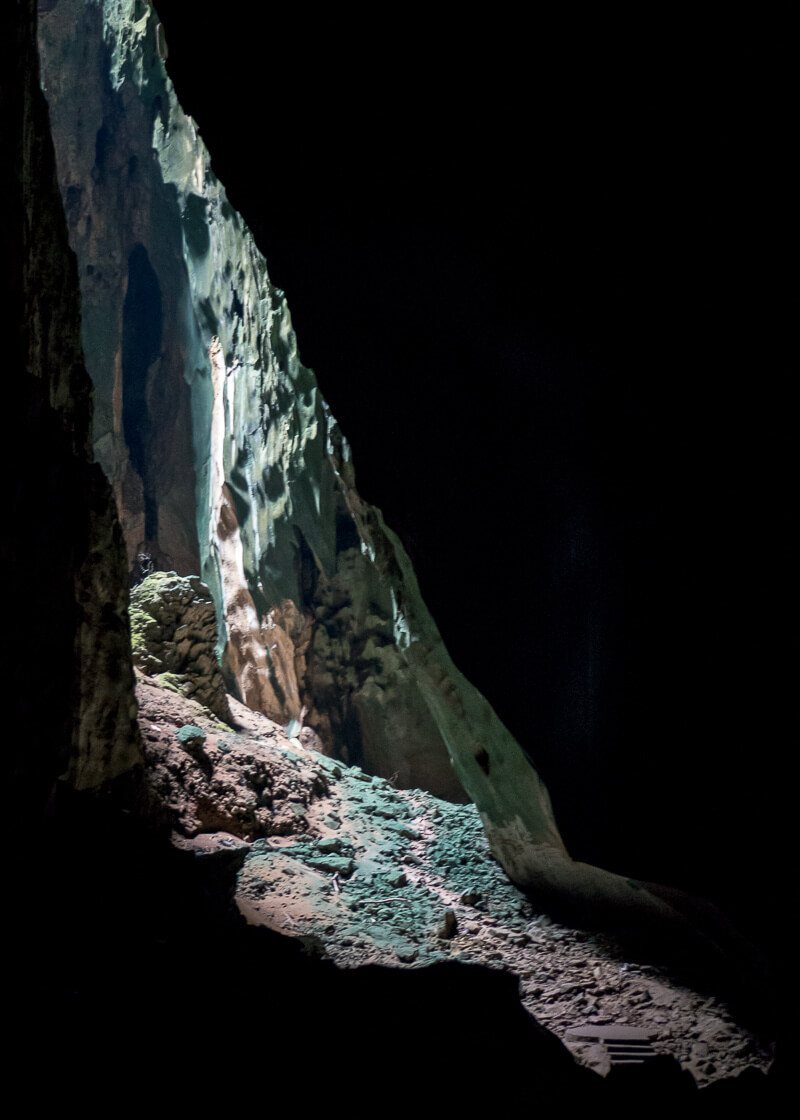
(69, 671)
(224, 455)
(204, 408)
(174, 633)
(137, 943)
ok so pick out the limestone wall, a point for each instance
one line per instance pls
(205, 409)
(68, 675)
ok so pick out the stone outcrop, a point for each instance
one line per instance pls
(136, 924)
(69, 674)
(220, 447)
(223, 455)
(199, 380)
(174, 637)
(206, 778)
(131, 275)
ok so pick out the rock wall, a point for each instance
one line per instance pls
(221, 448)
(288, 543)
(174, 634)
(68, 673)
(133, 283)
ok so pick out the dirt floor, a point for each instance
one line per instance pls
(366, 873)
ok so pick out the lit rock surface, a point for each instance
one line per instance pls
(364, 873)
(174, 637)
(223, 455)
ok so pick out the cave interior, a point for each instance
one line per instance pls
(544, 290)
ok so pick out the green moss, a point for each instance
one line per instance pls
(173, 682)
(189, 734)
(139, 624)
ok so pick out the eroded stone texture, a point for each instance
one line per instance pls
(219, 444)
(207, 778)
(174, 636)
(127, 235)
(70, 677)
(320, 617)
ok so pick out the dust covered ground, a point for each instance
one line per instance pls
(365, 873)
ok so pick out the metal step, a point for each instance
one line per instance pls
(626, 1046)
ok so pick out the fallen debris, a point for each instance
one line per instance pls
(368, 874)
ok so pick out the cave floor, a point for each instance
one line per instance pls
(365, 873)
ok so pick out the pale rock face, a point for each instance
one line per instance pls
(131, 271)
(219, 445)
(222, 450)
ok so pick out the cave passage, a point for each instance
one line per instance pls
(142, 324)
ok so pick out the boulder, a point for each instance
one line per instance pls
(174, 636)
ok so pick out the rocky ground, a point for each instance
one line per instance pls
(366, 873)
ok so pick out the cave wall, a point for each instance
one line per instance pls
(222, 453)
(354, 637)
(133, 284)
(68, 670)
(107, 921)
(320, 615)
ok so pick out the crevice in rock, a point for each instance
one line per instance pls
(142, 324)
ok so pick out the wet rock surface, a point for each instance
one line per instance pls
(363, 873)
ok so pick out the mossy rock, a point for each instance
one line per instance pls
(174, 637)
(190, 736)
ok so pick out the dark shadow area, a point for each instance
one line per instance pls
(154, 970)
(142, 325)
(157, 984)
(545, 289)
(131, 977)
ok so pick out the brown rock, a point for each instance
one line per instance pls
(175, 633)
(448, 926)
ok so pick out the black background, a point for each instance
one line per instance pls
(542, 275)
